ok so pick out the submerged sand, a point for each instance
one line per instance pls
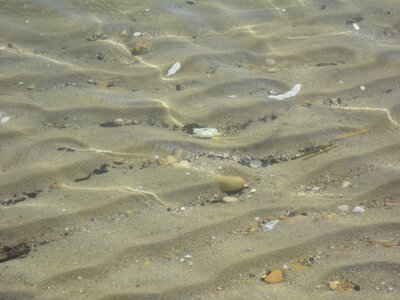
(110, 198)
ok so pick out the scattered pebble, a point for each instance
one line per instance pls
(229, 199)
(346, 184)
(137, 34)
(118, 122)
(184, 164)
(253, 190)
(343, 208)
(270, 225)
(333, 285)
(270, 61)
(293, 92)
(231, 183)
(205, 133)
(355, 26)
(255, 163)
(358, 209)
(231, 97)
(363, 88)
(275, 276)
(4, 118)
(174, 68)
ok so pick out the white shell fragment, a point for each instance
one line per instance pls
(175, 68)
(137, 34)
(270, 225)
(293, 92)
(358, 209)
(205, 133)
(355, 26)
(4, 118)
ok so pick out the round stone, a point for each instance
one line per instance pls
(343, 208)
(255, 163)
(275, 276)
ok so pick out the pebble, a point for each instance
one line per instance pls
(231, 183)
(355, 26)
(363, 88)
(270, 225)
(232, 97)
(229, 199)
(358, 209)
(174, 68)
(137, 34)
(346, 184)
(333, 285)
(270, 61)
(118, 122)
(343, 208)
(184, 164)
(275, 276)
(255, 163)
(205, 133)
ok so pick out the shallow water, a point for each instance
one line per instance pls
(94, 128)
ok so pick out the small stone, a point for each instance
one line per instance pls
(355, 26)
(255, 163)
(333, 285)
(229, 199)
(179, 87)
(270, 61)
(231, 183)
(124, 33)
(253, 190)
(358, 209)
(137, 34)
(231, 97)
(275, 276)
(30, 87)
(363, 88)
(272, 70)
(184, 164)
(389, 244)
(346, 184)
(92, 81)
(118, 122)
(343, 208)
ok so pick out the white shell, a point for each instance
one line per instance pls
(293, 92)
(205, 133)
(175, 68)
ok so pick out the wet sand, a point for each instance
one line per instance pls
(111, 197)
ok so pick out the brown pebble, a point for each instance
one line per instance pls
(389, 244)
(118, 162)
(275, 276)
(333, 285)
(231, 183)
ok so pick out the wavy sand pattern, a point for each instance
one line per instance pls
(134, 211)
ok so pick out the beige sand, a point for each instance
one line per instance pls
(154, 226)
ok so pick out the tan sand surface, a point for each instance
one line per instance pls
(106, 194)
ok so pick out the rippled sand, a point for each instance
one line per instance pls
(148, 222)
